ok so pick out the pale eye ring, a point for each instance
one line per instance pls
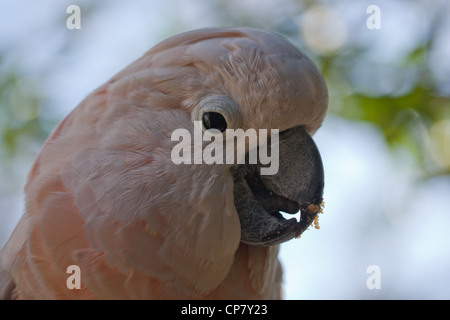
(216, 113)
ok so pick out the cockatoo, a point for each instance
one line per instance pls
(105, 198)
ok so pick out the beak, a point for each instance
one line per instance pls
(298, 185)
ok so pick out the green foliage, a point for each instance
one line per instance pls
(405, 119)
(20, 113)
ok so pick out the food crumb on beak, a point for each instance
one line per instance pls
(318, 210)
(316, 222)
(314, 208)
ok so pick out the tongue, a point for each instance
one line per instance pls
(269, 200)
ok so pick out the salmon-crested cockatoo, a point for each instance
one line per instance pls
(110, 213)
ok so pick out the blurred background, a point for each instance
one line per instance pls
(385, 142)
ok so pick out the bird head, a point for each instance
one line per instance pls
(247, 79)
(134, 156)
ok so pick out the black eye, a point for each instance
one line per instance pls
(214, 120)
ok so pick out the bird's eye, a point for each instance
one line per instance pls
(215, 114)
(214, 120)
